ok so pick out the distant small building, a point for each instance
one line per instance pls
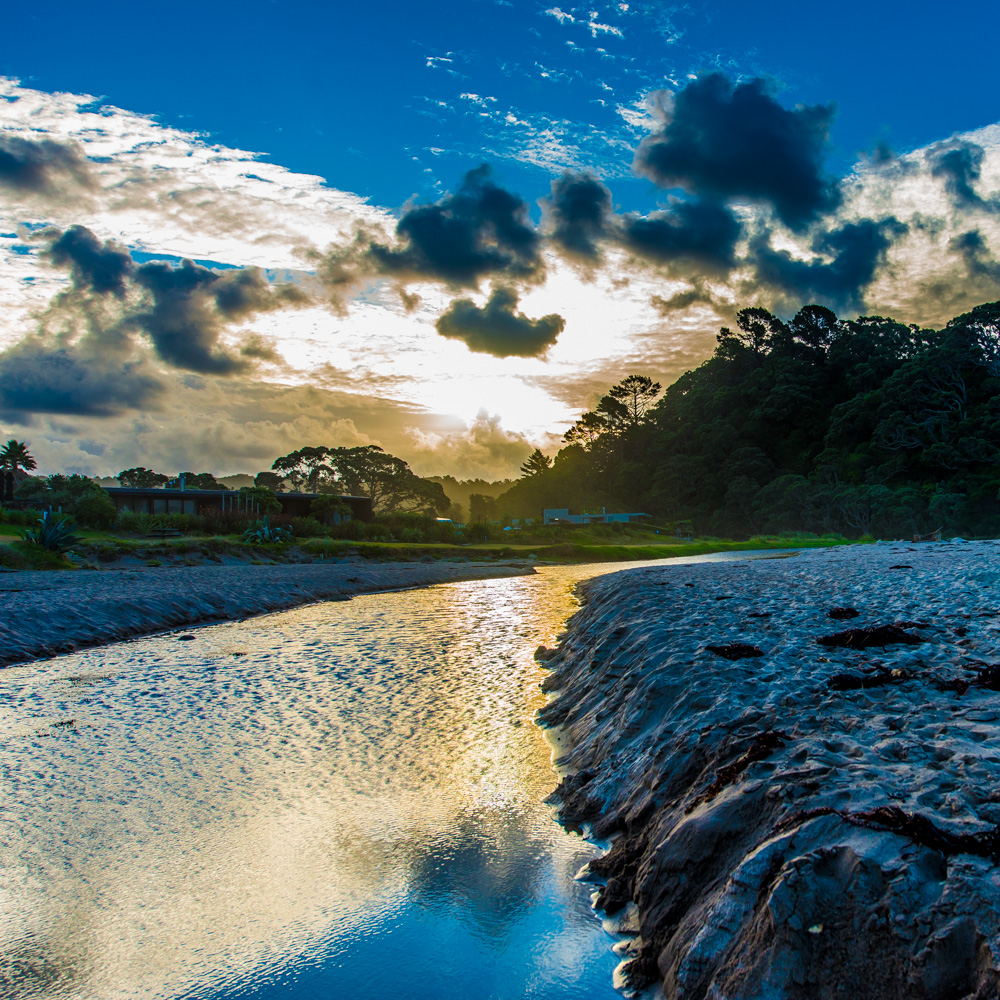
(175, 501)
(562, 515)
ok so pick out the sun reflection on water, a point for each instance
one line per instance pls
(343, 794)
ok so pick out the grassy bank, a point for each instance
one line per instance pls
(99, 549)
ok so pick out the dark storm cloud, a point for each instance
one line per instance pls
(38, 166)
(722, 141)
(182, 322)
(183, 309)
(973, 249)
(857, 249)
(579, 210)
(959, 163)
(497, 328)
(66, 379)
(480, 230)
(581, 220)
(703, 233)
(99, 267)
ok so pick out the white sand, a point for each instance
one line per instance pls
(735, 893)
(45, 613)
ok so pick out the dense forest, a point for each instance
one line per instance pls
(865, 426)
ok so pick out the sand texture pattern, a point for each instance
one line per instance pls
(810, 820)
(46, 613)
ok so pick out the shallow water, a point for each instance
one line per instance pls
(344, 798)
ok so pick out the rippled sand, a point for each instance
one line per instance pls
(43, 614)
(777, 835)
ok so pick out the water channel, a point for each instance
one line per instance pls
(340, 800)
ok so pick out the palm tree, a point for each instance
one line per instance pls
(15, 455)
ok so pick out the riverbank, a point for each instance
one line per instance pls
(791, 817)
(45, 613)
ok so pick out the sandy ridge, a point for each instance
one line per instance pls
(46, 613)
(776, 835)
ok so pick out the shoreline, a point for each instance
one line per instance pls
(806, 820)
(47, 613)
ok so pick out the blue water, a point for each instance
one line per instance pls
(341, 800)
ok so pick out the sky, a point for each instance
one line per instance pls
(228, 231)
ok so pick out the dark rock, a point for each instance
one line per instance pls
(863, 638)
(736, 650)
(184, 638)
(840, 613)
(613, 897)
(859, 682)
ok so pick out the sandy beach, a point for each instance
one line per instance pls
(46, 613)
(789, 817)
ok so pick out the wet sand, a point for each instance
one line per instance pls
(47, 613)
(809, 820)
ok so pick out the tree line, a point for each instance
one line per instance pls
(865, 426)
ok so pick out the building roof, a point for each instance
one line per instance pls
(158, 491)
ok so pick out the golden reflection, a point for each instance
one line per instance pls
(224, 804)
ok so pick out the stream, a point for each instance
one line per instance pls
(345, 799)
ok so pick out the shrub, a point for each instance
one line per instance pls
(307, 527)
(53, 533)
(24, 518)
(95, 510)
(263, 532)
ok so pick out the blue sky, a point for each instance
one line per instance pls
(355, 277)
(362, 93)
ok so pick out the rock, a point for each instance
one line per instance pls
(736, 650)
(863, 638)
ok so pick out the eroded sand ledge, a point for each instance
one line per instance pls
(43, 614)
(776, 836)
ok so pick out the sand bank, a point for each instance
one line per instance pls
(42, 614)
(816, 821)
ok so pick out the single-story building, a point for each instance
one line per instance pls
(156, 500)
(561, 515)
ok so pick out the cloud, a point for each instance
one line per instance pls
(580, 220)
(481, 230)
(192, 305)
(497, 328)
(697, 232)
(856, 248)
(974, 251)
(40, 166)
(579, 211)
(36, 377)
(482, 450)
(723, 142)
(185, 308)
(161, 188)
(959, 162)
(101, 267)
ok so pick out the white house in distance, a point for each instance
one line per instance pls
(561, 515)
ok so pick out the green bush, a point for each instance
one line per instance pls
(307, 527)
(95, 510)
(23, 518)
